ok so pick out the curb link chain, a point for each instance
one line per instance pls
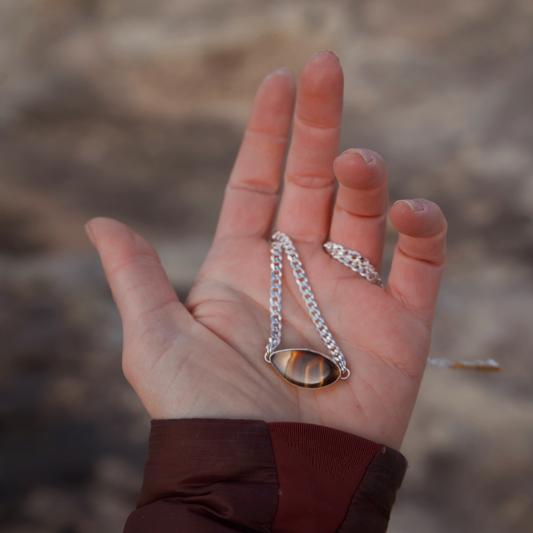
(353, 260)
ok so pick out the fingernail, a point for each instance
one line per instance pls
(329, 52)
(415, 205)
(335, 54)
(282, 70)
(89, 232)
(365, 154)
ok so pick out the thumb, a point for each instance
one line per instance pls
(137, 279)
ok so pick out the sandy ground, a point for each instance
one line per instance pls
(135, 110)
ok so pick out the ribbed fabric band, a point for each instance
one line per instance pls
(319, 470)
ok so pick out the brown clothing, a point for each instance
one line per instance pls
(217, 476)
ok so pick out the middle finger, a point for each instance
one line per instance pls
(306, 203)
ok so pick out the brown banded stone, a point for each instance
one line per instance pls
(305, 368)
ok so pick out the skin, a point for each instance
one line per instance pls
(203, 358)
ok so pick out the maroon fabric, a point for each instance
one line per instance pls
(219, 476)
(206, 476)
(319, 470)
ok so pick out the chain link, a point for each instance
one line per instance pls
(349, 258)
(354, 261)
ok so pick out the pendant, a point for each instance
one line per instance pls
(305, 368)
(300, 367)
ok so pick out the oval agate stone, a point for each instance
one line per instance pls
(305, 368)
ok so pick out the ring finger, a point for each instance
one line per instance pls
(360, 213)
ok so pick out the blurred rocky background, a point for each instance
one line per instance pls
(135, 110)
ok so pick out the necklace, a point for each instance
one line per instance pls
(310, 369)
(302, 367)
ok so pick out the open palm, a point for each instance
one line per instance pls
(204, 358)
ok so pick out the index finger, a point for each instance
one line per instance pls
(251, 196)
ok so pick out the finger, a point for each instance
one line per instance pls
(305, 209)
(133, 270)
(251, 196)
(360, 213)
(420, 256)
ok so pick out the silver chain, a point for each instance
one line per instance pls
(353, 260)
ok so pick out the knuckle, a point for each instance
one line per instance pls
(143, 259)
(309, 181)
(317, 125)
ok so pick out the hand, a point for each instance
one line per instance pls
(204, 358)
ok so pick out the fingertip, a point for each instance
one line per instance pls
(359, 168)
(282, 73)
(108, 228)
(114, 239)
(274, 103)
(320, 90)
(334, 53)
(369, 156)
(417, 218)
(97, 223)
(321, 68)
(416, 205)
(325, 56)
(281, 80)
